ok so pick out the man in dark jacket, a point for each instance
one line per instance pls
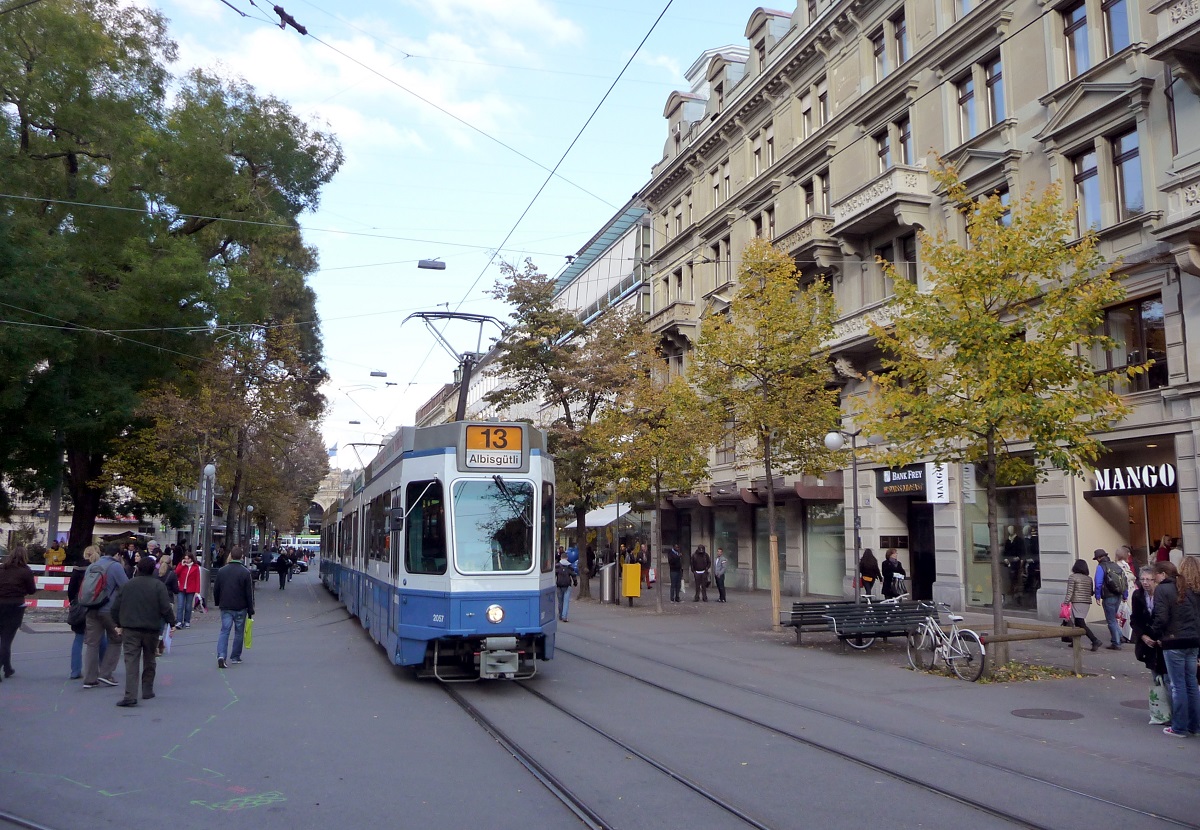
(233, 592)
(284, 565)
(700, 565)
(675, 567)
(140, 610)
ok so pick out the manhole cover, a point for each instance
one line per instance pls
(1047, 714)
(1134, 704)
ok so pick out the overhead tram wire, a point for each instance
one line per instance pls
(553, 173)
(252, 222)
(445, 111)
(19, 6)
(489, 64)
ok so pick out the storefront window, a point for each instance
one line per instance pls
(825, 537)
(1020, 557)
(762, 546)
(725, 535)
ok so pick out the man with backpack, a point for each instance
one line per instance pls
(564, 578)
(1111, 587)
(101, 581)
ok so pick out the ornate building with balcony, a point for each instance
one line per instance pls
(819, 134)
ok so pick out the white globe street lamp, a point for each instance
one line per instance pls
(835, 440)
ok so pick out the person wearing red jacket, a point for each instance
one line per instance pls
(188, 574)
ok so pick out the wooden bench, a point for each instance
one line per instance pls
(812, 615)
(860, 626)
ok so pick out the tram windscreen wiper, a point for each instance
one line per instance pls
(514, 502)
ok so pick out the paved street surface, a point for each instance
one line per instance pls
(317, 730)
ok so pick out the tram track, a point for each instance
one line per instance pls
(571, 799)
(880, 769)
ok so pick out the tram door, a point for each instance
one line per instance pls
(395, 522)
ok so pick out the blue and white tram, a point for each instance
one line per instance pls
(443, 547)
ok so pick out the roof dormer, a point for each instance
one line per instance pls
(766, 28)
(683, 109)
(725, 71)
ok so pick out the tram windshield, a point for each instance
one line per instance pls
(493, 525)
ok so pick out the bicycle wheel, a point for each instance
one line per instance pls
(966, 656)
(921, 649)
(859, 641)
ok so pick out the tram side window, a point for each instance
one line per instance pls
(547, 558)
(347, 537)
(376, 537)
(425, 528)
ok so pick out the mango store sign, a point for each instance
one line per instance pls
(1135, 480)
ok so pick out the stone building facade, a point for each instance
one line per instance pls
(819, 133)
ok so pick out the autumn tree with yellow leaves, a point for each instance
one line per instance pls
(988, 362)
(764, 362)
(658, 438)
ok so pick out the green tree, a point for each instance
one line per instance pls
(659, 436)
(989, 364)
(548, 358)
(764, 362)
(105, 260)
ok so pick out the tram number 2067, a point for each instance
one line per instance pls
(439, 618)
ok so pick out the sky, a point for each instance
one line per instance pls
(451, 113)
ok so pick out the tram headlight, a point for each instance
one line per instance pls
(495, 614)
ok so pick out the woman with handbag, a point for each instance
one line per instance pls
(1141, 604)
(868, 571)
(893, 575)
(1079, 597)
(187, 575)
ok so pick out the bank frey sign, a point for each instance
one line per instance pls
(928, 481)
(1135, 480)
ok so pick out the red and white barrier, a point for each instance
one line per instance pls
(49, 578)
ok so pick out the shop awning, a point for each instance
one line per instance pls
(603, 516)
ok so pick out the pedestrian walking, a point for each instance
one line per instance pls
(868, 571)
(91, 554)
(141, 609)
(233, 592)
(893, 575)
(564, 578)
(99, 623)
(720, 565)
(283, 564)
(700, 565)
(1110, 590)
(1175, 628)
(16, 583)
(1079, 595)
(675, 569)
(188, 577)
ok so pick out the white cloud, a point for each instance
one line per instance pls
(531, 18)
(666, 62)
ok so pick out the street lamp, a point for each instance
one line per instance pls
(210, 477)
(249, 525)
(834, 441)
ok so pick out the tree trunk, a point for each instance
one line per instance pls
(773, 546)
(83, 467)
(585, 583)
(999, 650)
(656, 538)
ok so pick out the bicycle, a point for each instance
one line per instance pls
(865, 641)
(960, 648)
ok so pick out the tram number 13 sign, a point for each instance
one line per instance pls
(491, 446)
